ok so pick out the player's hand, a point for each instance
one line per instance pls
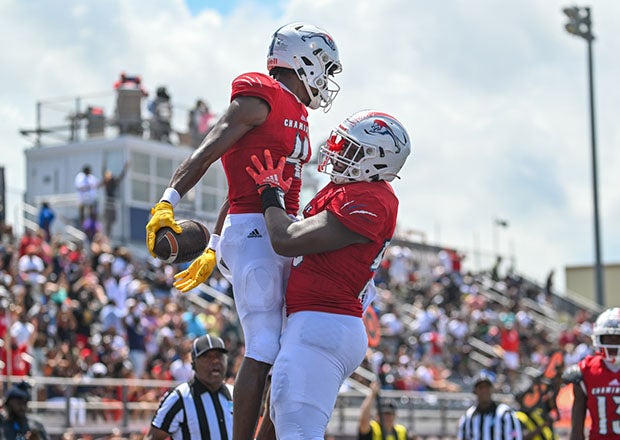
(269, 177)
(197, 272)
(162, 217)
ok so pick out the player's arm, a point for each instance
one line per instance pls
(320, 233)
(243, 114)
(221, 216)
(578, 413)
(574, 375)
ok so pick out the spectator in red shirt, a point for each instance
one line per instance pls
(510, 344)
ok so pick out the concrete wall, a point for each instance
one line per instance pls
(580, 280)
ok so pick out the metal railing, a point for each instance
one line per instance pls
(539, 314)
(425, 413)
(26, 216)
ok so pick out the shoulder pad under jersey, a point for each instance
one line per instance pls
(254, 79)
(572, 374)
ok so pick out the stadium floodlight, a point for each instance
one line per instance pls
(573, 12)
(580, 24)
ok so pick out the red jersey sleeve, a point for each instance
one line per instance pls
(254, 84)
(364, 211)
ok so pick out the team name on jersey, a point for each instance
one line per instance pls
(605, 390)
(299, 125)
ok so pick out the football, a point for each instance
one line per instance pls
(180, 248)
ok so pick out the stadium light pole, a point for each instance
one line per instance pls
(497, 224)
(580, 24)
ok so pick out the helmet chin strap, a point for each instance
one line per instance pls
(613, 365)
(612, 362)
(315, 101)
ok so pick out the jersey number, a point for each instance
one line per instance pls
(300, 154)
(301, 150)
(601, 403)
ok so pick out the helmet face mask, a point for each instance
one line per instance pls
(312, 54)
(606, 335)
(341, 158)
(367, 146)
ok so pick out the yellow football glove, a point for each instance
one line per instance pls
(197, 272)
(162, 217)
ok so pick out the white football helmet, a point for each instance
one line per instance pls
(608, 323)
(312, 54)
(368, 146)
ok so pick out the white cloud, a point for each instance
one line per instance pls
(493, 93)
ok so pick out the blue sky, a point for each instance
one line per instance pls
(225, 7)
(494, 95)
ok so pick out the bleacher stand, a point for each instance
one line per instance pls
(101, 310)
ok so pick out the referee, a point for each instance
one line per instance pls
(488, 420)
(200, 409)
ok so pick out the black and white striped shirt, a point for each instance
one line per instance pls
(192, 412)
(496, 423)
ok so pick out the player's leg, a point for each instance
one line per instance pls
(266, 430)
(249, 386)
(262, 333)
(258, 286)
(318, 352)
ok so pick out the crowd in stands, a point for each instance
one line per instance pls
(130, 95)
(92, 310)
(431, 313)
(95, 310)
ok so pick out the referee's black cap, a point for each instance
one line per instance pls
(206, 343)
(484, 376)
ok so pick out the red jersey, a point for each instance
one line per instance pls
(603, 397)
(284, 132)
(368, 208)
(510, 340)
(19, 367)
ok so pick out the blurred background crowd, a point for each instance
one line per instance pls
(97, 310)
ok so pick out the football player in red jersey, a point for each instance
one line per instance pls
(264, 112)
(596, 382)
(336, 248)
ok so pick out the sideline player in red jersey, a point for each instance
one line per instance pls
(596, 382)
(337, 247)
(265, 112)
